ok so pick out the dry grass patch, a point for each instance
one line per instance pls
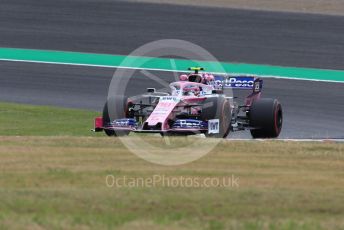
(59, 182)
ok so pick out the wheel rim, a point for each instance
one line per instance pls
(278, 119)
(225, 119)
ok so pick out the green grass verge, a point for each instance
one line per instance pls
(21, 120)
(56, 180)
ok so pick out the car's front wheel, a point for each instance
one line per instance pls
(217, 108)
(115, 108)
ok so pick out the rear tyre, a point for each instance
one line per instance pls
(217, 108)
(115, 108)
(266, 118)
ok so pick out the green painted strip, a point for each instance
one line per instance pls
(106, 60)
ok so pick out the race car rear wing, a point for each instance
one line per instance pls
(239, 82)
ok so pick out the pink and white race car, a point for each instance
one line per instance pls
(196, 104)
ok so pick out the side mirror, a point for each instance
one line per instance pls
(151, 90)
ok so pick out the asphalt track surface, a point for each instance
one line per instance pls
(312, 109)
(109, 26)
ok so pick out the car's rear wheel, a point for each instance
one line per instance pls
(115, 108)
(217, 108)
(266, 118)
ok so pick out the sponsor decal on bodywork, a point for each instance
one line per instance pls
(238, 82)
(242, 82)
(163, 109)
(214, 126)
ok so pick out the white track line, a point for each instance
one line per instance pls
(164, 70)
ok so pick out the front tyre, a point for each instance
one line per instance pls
(266, 118)
(217, 108)
(115, 108)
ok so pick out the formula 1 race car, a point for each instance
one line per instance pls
(196, 104)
